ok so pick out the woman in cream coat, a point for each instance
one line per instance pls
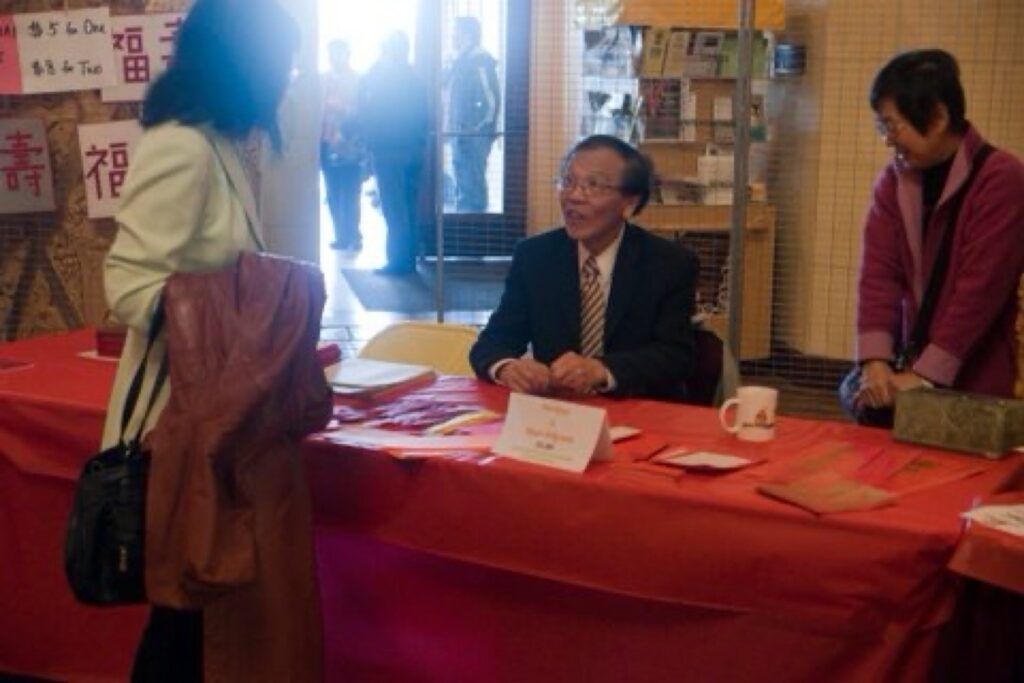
(187, 206)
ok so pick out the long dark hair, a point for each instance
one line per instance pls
(230, 68)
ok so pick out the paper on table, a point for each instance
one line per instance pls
(383, 439)
(93, 354)
(458, 422)
(1008, 518)
(363, 375)
(552, 433)
(704, 460)
(640, 447)
(825, 492)
(622, 432)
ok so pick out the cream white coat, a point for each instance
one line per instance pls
(186, 206)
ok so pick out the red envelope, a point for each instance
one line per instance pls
(640, 447)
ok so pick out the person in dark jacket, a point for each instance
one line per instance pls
(393, 119)
(341, 152)
(603, 305)
(474, 103)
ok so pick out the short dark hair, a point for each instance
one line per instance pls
(637, 176)
(469, 26)
(917, 82)
(229, 70)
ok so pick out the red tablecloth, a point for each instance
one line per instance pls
(51, 418)
(457, 570)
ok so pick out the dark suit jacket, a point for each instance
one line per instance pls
(648, 341)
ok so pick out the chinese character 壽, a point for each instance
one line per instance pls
(19, 166)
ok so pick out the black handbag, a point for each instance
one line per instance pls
(849, 387)
(104, 554)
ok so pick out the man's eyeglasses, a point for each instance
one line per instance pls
(888, 129)
(588, 187)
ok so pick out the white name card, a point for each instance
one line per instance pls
(554, 433)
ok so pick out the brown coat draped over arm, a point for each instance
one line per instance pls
(228, 525)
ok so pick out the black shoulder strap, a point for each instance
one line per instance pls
(919, 337)
(135, 388)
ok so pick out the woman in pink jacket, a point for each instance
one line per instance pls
(970, 343)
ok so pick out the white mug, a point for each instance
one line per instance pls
(755, 413)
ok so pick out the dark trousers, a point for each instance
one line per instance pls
(171, 650)
(469, 162)
(343, 182)
(398, 179)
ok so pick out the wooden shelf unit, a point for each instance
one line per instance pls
(694, 222)
(676, 124)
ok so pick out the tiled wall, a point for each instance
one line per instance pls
(828, 154)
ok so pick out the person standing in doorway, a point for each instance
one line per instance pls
(474, 101)
(341, 153)
(392, 113)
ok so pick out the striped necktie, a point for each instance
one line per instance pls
(591, 310)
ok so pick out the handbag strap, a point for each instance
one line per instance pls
(135, 388)
(158, 383)
(919, 336)
(249, 219)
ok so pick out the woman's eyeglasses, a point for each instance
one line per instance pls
(888, 129)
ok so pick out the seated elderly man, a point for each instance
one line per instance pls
(604, 305)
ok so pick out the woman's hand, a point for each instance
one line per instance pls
(876, 388)
(902, 381)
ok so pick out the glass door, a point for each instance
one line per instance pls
(482, 53)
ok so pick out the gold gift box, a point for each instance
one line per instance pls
(984, 425)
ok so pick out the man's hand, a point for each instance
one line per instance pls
(578, 374)
(525, 375)
(876, 389)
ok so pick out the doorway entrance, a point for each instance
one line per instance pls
(476, 240)
(363, 26)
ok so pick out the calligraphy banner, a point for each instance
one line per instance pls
(106, 150)
(62, 51)
(27, 185)
(143, 45)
